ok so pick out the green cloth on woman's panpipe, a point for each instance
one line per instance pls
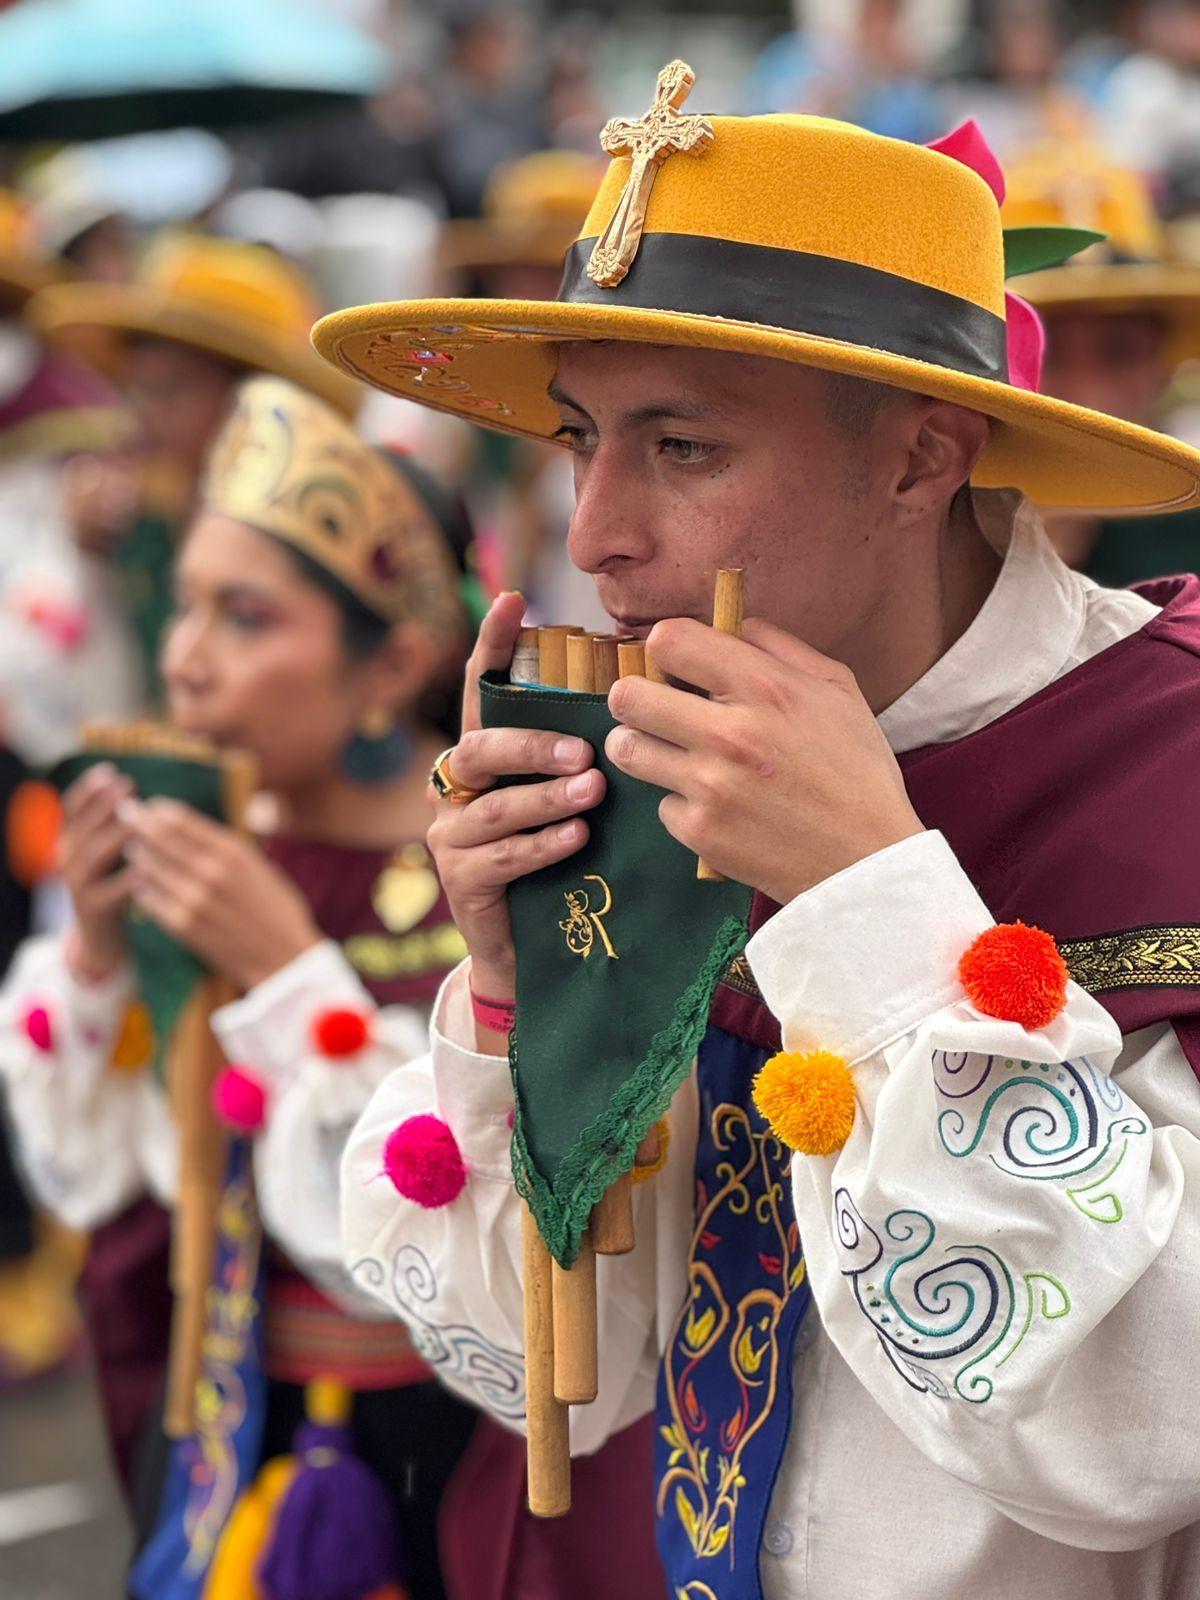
(167, 971)
(618, 951)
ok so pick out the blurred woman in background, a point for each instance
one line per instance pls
(316, 607)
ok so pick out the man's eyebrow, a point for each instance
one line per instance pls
(562, 398)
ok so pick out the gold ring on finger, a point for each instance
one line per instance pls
(446, 786)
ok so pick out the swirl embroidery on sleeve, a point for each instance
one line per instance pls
(461, 1355)
(957, 1305)
(1038, 1119)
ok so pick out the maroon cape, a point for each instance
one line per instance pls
(1075, 811)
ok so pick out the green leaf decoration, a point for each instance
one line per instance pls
(1032, 249)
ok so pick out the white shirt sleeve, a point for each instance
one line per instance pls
(313, 1100)
(83, 1127)
(454, 1273)
(1004, 1249)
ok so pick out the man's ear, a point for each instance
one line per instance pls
(942, 444)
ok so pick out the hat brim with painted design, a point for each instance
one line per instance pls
(800, 239)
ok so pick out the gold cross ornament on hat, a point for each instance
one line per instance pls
(662, 132)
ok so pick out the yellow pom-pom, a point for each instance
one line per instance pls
(808, 1100)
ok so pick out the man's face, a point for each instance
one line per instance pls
(690, 460)
(1109, 361)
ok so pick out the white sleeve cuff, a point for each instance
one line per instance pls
(864, 957)
(474, 1092)
(269, 1030)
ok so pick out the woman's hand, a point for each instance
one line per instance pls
(90, 859)
(215, 892)
(481, 847)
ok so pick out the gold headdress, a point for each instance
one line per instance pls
(286, 463)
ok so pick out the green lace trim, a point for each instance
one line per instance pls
(607, 1147)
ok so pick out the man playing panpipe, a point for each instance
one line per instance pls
(910, 1297)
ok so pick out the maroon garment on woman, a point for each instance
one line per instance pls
(124, 1282)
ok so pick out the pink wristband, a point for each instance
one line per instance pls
(497, 1016)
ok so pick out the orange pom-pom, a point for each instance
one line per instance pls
(134, 1048)
(1015, 972)
(33, 827)
(340, 1033)
(808, 1100)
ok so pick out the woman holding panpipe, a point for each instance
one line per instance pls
(317, 616)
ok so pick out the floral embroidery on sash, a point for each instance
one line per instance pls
(956, 1304)
(722, 1368)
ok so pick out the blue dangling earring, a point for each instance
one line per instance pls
(380, 748)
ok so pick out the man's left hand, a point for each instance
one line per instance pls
(781, 777)
(215, 892)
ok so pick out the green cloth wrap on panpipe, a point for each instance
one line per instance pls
(618, 951)
(167, 972)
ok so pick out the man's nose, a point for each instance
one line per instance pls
(612, 519)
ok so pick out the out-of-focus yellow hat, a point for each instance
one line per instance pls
(239, 301)
(23, 268)
(1071, 181)
(532, 212)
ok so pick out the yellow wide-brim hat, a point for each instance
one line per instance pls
(531, 213)
(1071, 181)
(241, 302)
(800, 239)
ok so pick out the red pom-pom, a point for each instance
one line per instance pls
(1015, 972)
(422, 1159)
(239, 1100)
(340, 1033)
(38, 1029)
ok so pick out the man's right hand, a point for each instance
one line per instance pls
(91, 860)
(482, 846)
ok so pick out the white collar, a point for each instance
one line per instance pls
(1024, 635)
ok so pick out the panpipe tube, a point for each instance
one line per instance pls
(727, 618)
(576, 1358)
(552, 654)
(546, 1419)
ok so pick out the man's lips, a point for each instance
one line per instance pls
(637, 627)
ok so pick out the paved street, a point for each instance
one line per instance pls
(63, 1530)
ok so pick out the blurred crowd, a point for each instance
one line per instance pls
(142, 278)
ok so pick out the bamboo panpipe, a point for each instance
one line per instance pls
(561, 1357)
(194, 1059)
(727, 618)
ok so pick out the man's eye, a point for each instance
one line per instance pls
(570, 435)
(686, 451)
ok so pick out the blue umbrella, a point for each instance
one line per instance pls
(86, 69)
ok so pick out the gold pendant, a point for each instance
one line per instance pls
(407, 889)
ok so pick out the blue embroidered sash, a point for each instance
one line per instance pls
(725, 1384)
(207, 1472)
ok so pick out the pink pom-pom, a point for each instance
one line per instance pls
(240, 1100)
(38, 1029)
(423, 1160)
